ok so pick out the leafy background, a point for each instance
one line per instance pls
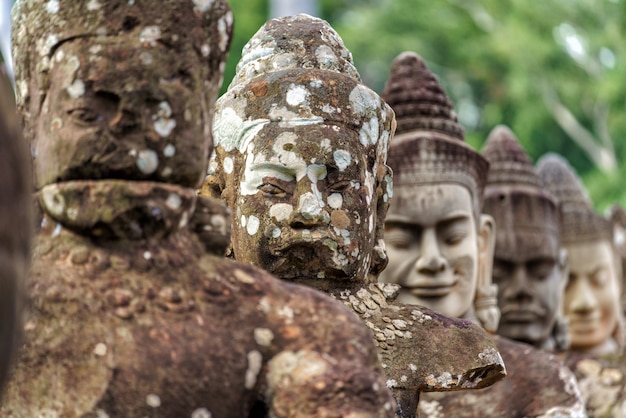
(551, 70)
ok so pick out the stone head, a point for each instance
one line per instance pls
(439, 245)
(529, 266)
(301, 146)
(119, 89)
(592, 296)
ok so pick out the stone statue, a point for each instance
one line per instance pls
(529, 264)
(592, 295)
(130, 315)
(301, 146)
(440, 248)
(15, 224)
(439, 244)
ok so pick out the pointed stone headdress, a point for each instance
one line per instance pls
(429, 144)
(296, 70)
(514, 196)
(579, 221)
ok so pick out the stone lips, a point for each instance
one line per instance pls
(199, 31)
(311, 43)
(579, 222)
(421, 158)
(417, 98)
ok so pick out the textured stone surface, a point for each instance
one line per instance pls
(602, 383)
(15, 224)
(537, 385)
(300, 159)
(130, 316)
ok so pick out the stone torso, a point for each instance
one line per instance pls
(161, 329)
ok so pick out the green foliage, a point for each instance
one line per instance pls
(499, 61)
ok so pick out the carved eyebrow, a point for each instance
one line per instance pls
(287, 173)
(454, 217)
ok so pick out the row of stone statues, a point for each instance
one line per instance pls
(369, 268)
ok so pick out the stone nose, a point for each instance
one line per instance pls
(582, 300)
(517, 287)
(430, 260)
(309, 212)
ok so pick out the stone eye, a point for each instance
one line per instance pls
(339, 186)
(271, 189)
(84, 116)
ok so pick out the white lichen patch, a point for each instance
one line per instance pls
(368, 135)
(173, 201)
(296, 95)
(263, 336)
(342, 158)
(325, 56)
(52, 6)
(335, 200)
(53, 201)
(253, 225)
(100, 350)
(316, 83)
(203, 5)
(153, 400)
(228, 164)
(309, 206)
(413, 367)
(255, 361)
(169, 151)
(281, 211)
(147, 161)
(76, 89)
(150, 35)
(93, 5)
(391, 383)
(364, 102)
(201, 413)
(276, 232)
(296, 368)
(223, 26)
(431, 409)
(264, 305)
(205, 50)
(163, 123)
(287, 313)
(45, 46)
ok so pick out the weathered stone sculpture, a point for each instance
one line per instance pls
(440, 248)
(529, 264)
(131, 316)
(301, 146)
(439, 244)
(15, 224)
(591, 300)
(592, 296)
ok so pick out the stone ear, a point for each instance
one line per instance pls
(486, 301)
(383, 193)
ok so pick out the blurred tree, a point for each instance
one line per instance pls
(550, 70)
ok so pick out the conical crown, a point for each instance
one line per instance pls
(417, 98)
(429, 144)
(508, 162)
(579, 221)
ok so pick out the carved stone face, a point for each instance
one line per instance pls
(433, 248)
(527, 269)
(120, 108)
(306, 204)
(592, 293)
